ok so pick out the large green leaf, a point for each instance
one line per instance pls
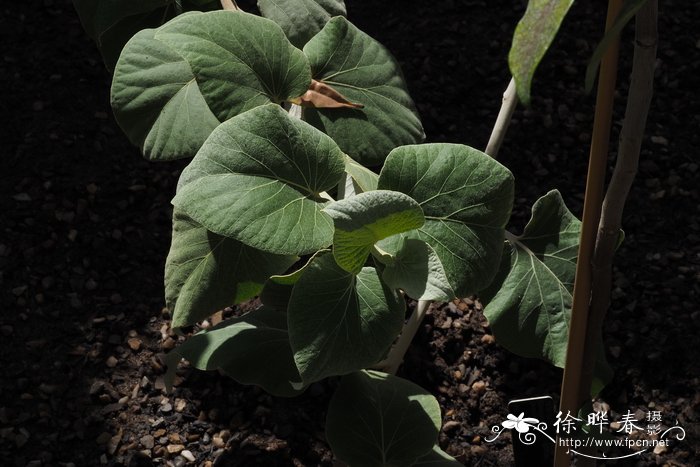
(466, 197)
(252, 349)
(111, 23)
(301, 19)
(259, 179)
(363, 71)
(528, 305)
(157, 101)
(362, 220)
(532, 38)
(206, 272)
(341, 322)
(376, 419)
(173, 85)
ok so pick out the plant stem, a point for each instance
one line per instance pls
(571, 395)
(638, 103)
(508, 104)
(295, 111)
(230, 5)
(393, 361)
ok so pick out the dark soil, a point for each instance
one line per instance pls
(86, 225)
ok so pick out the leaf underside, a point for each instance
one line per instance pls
(532, 37)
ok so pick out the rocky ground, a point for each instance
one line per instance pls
(85, 226)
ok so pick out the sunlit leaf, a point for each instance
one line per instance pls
(363, 220)
(364, 72)
(466, 197)
(259, 178)
(173, 85)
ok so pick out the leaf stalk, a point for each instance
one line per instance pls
(505, 114)
(393, 361)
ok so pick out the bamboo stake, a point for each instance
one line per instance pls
(571, 397)
(638, 103)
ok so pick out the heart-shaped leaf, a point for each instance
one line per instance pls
(259, 179)
(157, 101)
(173, 85)
(529, 302)
(528, 305)
(376, 419)
(362, 70)
(341, 322)
(301, 19)
(466, 197)
(532, 37)
(362, 220)
(252, 349)
(206, 272)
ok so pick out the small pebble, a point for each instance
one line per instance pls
(218, 442)
(134, 343)
(660, 449)
(188, 455)
(479, 387)
(175, 448)
(112, 361)
(488, 339)
(148, 441)
(449, 426)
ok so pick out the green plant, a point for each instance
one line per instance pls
(283, 117)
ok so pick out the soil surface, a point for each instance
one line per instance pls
(85, 228)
